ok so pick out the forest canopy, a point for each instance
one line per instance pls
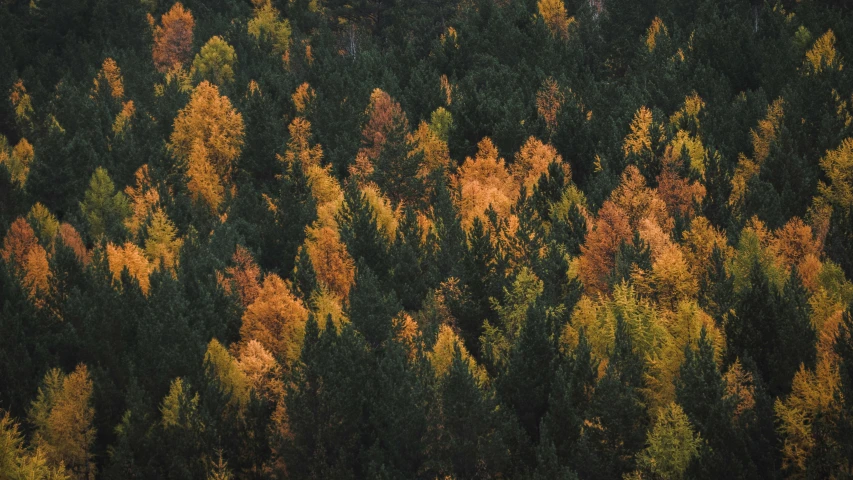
(420, 239)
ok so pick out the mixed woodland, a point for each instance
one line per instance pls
(426, 239)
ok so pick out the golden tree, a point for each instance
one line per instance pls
(549, 99)
(441, 356)
(18, 163)
(130, 257)
(762, 138)
(27, 257)
(822, 56)
(598, 252)
(299, 146)
(62, 415)
(483, 182)
(533, 160)
(243, 277)
(276, 319)
(208, 137)
(173, 38)
(227, 373)
(162, 245)
(109, 79)
(333, 265)
(71, 238)
(553, 13)
(385, 118)
(838, 166)
(303, 97)
(657, 28)
(21, 102)
(143, 199)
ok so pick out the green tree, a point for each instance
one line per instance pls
(215, 62)
(104, 208)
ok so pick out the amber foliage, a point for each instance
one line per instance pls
(276, 319)
(173, 38)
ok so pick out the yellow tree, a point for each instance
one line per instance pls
(208, 138)
(109, 80)
(173, 38)
(332, 263)
(822, 56)
(143, 198)
(762, 138)
(130, 257)
(19, 161)
(276, 319)
(553, 13)
(483, 182)
(533, 160)
(162, 245)
(62, 416)
(268, 26)
(671, 445)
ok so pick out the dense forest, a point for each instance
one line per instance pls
(426, 239)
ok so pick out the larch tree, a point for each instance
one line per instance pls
(553, 13)
(162, 247)
(144, 197)
(129, 256)
(533, 160)
(173, 38)
(276, 319)
(208, 138)
(598, 252)
(62, 415)
(671, 445)
(215, 62)
(484, 182)
(105, 209)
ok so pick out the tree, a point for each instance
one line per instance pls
(672, 445)
(208, 138)
(484, 182)
(62, 415)
(105, 209)
(372, 310)
(215, 61)
(526, 383)
(617, 417)
(276, 319)
(386, 145)
(173, 38)
(553, 13)
(162, 247)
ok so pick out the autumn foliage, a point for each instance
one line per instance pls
(173, 38)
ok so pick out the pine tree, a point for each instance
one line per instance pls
(570, 397)
(371, 309)
(617, 413)
(327, 404)
(526, 384)
(360, 232)
(475, 435)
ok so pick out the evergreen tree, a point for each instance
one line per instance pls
(617, 412)
(372, 310)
